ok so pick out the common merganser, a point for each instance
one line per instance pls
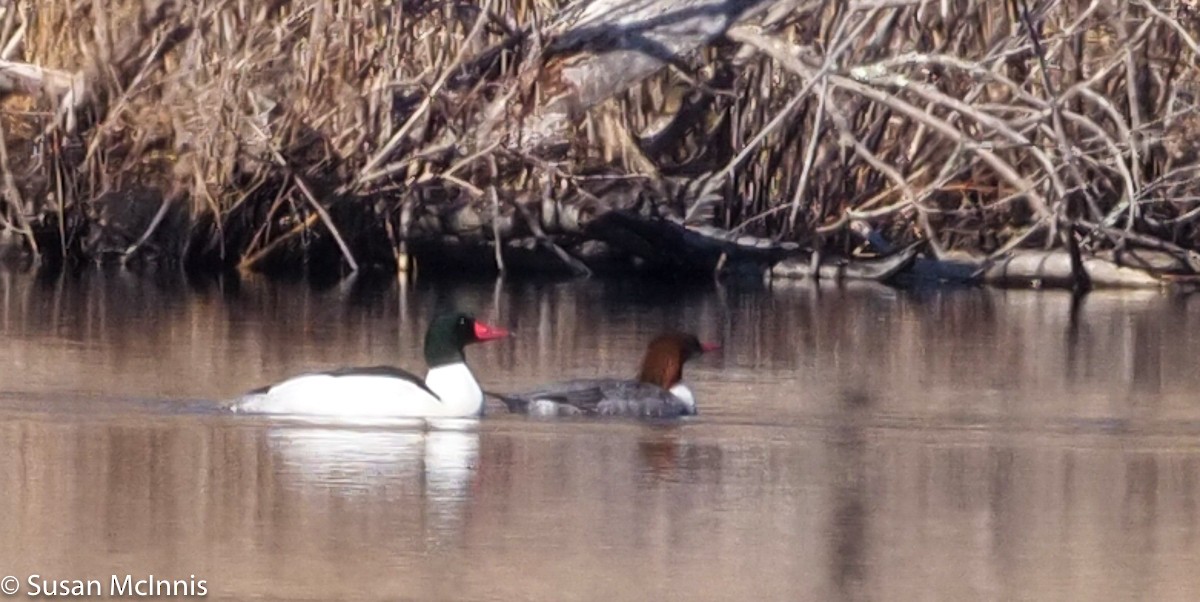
(448, 389)
(658, 392)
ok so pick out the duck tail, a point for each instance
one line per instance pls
(515, 405)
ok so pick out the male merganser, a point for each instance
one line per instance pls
(658, 391)
(448, 389)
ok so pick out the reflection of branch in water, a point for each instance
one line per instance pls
(1072, 351)
(848, 528)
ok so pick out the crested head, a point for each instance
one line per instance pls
(449, 333)
(665, 355)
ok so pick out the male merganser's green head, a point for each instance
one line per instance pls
(449, 333)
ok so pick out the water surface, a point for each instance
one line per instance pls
(859, 442)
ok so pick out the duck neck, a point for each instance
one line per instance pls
(440, 351)
(456, 387)
(663, 370)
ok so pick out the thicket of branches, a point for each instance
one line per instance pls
(228, 130)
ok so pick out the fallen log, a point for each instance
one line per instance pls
(525, 256)
(883, 269)
(1052, 269)
(1150, 260)
(952, 270)
(670, 244)
(1029, 268)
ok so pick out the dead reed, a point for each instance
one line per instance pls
(238, 131)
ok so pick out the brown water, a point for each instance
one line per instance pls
(857, 443)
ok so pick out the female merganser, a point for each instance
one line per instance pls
(658, 391)
(448, 390)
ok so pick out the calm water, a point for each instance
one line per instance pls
(858, 443)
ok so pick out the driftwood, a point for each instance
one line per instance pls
(613, 239)
(884, 269)
(1149, 260)
(1032, 268)
(1052, 269)
(668, 243)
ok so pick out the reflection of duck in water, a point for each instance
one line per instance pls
(660, 455)
(353, 461)
(659, 390)
(667, 455)
(449, 389)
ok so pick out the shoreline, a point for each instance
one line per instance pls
(1032, 270)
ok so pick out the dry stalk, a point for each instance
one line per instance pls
(949, 118)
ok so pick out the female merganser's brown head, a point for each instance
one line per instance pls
(665, 356)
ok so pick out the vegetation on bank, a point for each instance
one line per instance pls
(268, 134)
